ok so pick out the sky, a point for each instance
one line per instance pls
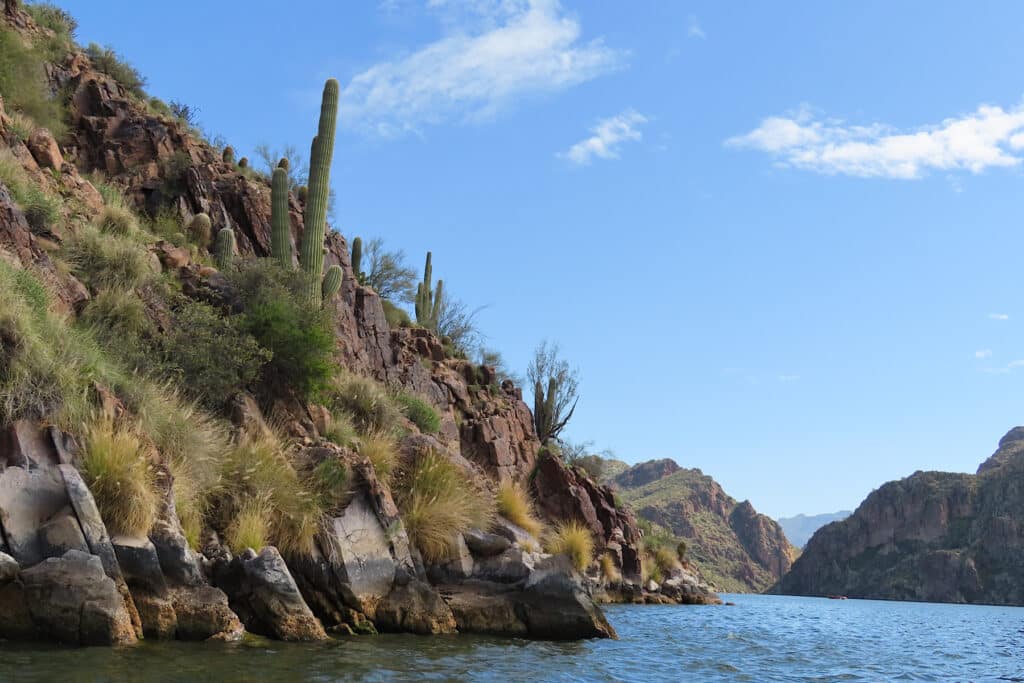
(780, 241)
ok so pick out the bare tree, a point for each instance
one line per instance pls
(555, 391)
(494, 359)
(457, 322)
(298, 166)
(389, 274)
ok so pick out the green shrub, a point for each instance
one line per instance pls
(366, 401)
(330, 481)
(24, 85)
(120, 477)
(165, 224)
(396, 316)
(212, 357)
(61, 23)
(420, 412)
(173, 170)
(438, 500)
(106, 60)
(106, 260)
(278, 315)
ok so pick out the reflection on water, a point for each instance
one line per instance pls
(762, 638)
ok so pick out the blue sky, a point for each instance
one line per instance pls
(780, 241)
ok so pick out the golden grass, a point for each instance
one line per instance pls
(107, 260)
(609, 570)
(367, 402)
(574, 540)
(250, 527)
(120, 476)
(438, 500)
(118, 220)
(514, 504)
(381, 449)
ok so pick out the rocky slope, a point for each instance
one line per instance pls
(800, 528)
(64, 577)
(734, 546)
(934, 536)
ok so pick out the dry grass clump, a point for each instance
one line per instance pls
(609, 570)
(116, 468)
(107, 260)
(367, 402)
(439, 500)
(381, 449)
(257, 470)
(118, 220)
(250, 527)
(514, 504)
(574, 540)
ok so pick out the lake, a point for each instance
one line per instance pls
(762, 638)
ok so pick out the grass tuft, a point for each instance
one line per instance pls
(119, 221)
(514, 504)
(420, 412)
(369, 403)
(106, 260)
(574, 540)
(120, 477)
(381, 449)
(250, 527)
(609, 570)
(438, 500)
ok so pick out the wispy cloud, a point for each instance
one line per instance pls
(693, 29)
(608, 136)
(496, 52)
(983, 353)
(988, 137)
(1012, 366)
(788, 378)
(998, 316)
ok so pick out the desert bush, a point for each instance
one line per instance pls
(438, 501)
(106, 60)
(514, 504)
(116, 468)
(396, 317)
(106, 260)
(118, 220)
(574, 540)
(173, 170)
(210, 355)
(420, 412)
(366, 401)
(24, 85)
(278, 314)
(381, 449)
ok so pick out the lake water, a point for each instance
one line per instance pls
(762, 638)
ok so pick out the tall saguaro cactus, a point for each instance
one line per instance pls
(428, 300)
(224, 249)
(280, 225)
(315, 218)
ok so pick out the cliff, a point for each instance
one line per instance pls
(733, 545)
(933, 536)
(104, 212)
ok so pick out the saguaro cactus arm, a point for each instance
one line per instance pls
(315, 219)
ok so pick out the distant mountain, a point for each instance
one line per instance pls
(934, 536)
(799, 529)
(735, 547)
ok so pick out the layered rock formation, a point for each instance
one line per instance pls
(934, 536)
(733, 545)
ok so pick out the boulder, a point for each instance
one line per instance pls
(511, 566)
(60, 534)
(555, 605)
(514, 534)
(360, 554)
(140, 565)
(489, 609)
(414, 606)
(29, 499)
(72, 600)
(458, 565)
(44, 149)
(9, 569)
(483, 544)
(203, 613)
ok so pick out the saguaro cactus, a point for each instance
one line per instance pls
(280, 225)
(428, 301)
(284, 163)
(229, 155)
(199, 229)
(315, 218)
(332, 281)
(224, 251)
(357, 260)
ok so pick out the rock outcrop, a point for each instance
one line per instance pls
(934, 536)
(735, 547)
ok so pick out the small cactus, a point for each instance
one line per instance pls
(357, 260)
(428, 301)
(199, 229)
(284, 163)
(229, 155)
(332, 281)
(224, 251)
(243, 162)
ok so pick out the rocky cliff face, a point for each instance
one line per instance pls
(934, 536)
(800, 528)
(363, 573)
(734, 546)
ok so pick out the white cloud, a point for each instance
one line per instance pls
(998, 316)
(496, 51)
(788, 378)
(988, 137)
(693, 29)
(608, 136)
(983, 353)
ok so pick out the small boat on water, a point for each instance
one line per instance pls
(838, 597)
